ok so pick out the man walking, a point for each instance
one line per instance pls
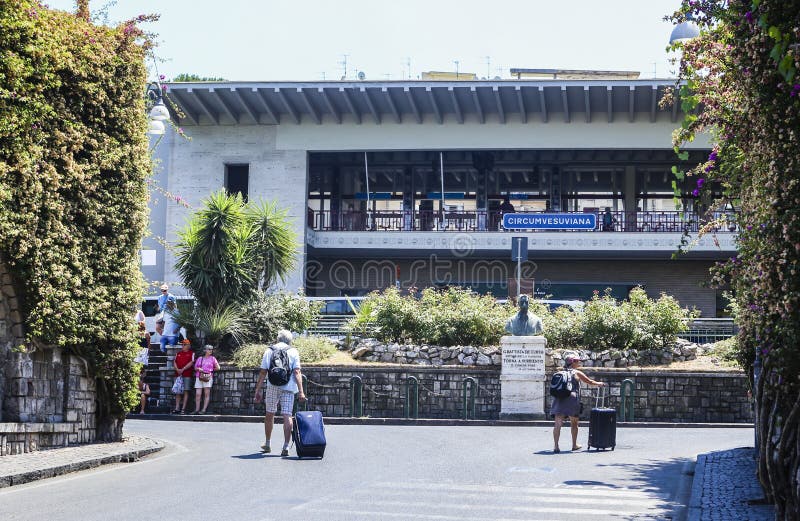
(282, 353)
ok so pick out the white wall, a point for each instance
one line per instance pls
(555, 134)
(198, 169)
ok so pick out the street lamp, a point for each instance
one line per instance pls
(685, 30)
(158, 111)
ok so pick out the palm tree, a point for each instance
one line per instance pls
(272, 242)
(230, 249)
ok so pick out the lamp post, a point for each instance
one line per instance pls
(158, 110)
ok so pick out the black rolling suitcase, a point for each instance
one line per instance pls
(602, 425)
(308, 433)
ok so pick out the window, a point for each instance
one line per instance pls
(236, 179)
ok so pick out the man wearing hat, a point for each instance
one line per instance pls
(162, 299)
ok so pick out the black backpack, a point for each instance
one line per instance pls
(561, 384)
(279, 371)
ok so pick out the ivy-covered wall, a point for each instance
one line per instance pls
(73, 165)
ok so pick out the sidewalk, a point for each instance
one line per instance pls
(724, 482)
(31, 466)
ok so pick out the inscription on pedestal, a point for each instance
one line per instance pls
(522, 377)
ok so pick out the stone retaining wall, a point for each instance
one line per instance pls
(658, 395)
(50, 401)
(373, 350)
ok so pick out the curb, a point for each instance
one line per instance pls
(331, 420)
(695, 501)
(9, 480)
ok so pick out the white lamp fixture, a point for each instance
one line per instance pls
(684, 31)
(159, 111)
(156, 128)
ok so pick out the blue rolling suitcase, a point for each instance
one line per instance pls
(308, 433)
(602, 425)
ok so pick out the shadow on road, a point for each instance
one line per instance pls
(255, 455)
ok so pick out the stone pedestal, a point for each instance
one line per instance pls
(522, 378)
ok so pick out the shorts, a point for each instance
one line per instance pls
(188, 383)
(275, 395)
(198, 384)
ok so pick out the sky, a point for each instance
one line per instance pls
(291, 40)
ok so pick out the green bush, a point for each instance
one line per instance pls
(606, 324)
(727, 350)
(268, 314)
(453, 316)
(311, 348)
(562, 327)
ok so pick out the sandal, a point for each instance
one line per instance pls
(577, 447)
(556, 450)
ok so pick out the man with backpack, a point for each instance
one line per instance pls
(281, 368)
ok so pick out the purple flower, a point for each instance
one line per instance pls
(696, 192)
(749, 16)
(749, 227)
(708, 168)
(161, 77)
(701, 182)
(712, 156)
(795, 90)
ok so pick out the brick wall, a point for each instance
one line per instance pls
(658, 396)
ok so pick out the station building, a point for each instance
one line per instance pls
(406, 182)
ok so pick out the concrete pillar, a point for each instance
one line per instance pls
(630, 198)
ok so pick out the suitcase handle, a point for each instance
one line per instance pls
(601, 397)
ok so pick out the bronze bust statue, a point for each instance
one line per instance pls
(523, 323)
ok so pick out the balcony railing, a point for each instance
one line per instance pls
(472, 221)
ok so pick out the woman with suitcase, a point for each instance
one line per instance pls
(570, 406)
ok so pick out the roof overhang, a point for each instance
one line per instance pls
(275, 103)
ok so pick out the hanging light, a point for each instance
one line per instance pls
(685, 30)
(159, 111)
(156, 128)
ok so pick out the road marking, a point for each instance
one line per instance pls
(443, 501)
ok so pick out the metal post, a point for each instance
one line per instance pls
(366, 177)
(411, 409)
(469, 404)
(626, 400)
(356, 401)
(519, 266)
(441, 172)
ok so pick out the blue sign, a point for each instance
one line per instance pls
(447, 195)
(362, 196)
(549, 221)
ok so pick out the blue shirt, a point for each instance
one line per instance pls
(294, 363)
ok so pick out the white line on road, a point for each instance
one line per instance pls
(567, 490)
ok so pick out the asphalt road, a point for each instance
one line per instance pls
(214, 471)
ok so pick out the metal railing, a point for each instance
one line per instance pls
(473, 221)
(356, 397)
(470, 386)
(411, 404)
(709, 330)
(626, 400)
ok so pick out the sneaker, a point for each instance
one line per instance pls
(285, 452)
(265, 448)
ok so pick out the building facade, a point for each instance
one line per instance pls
(406, 183)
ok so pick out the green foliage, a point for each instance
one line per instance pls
(562, 328)
(727, 350)
(314, 348)
(606, 324)
(268, 314)
(742, 69)
(311, 348)
(184, 77)
(214, 324)
(453, 316)
(73, 197)
(229, 250)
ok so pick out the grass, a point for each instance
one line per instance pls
(312, 349)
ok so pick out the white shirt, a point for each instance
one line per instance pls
(171, 327)
(294, 363)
